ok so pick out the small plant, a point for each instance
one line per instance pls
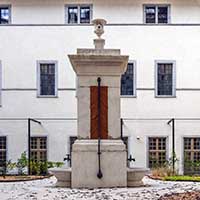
(59, 164)
(166, 169)
(51, 164)
(43, 168)
(22, 163)
(3, 169)
(162, 172)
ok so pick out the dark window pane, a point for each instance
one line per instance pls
(165, 79)
(4, 15)
(3, 152)
(191, 156)
(43, 143)
(39, 149)
(47, 79)
(84, 14)
(150, 12)
(127, 81)
(73, 15)
(163, 15)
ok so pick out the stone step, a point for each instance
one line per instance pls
(63, 176)
(135, 176)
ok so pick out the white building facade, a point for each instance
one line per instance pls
(162, 81)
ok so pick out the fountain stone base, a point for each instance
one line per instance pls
(85, 164)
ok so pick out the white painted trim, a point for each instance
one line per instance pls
(39, 62)
(173, 62)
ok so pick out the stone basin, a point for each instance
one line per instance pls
(63, 176)
(135, 176)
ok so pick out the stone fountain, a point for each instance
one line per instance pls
(99, 157)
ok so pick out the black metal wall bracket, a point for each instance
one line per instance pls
(67, 158)
(131, 159)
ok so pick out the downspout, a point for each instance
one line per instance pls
(173, 143)
(99, 174)
(29, 146)
(121, 126)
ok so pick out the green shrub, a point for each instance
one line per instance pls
(22, 162)
(182, 178)
(59, 164)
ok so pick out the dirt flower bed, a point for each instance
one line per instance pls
(10, 178)
(182, 196)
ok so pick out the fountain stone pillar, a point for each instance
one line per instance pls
(99, 157)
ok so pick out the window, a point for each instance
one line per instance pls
(128, 81)
(47, 79)
(165, 79)
(157, 151)
(3, 145)
(39, 149)
(5, 14)
(156, 14)
(192, 155)
(78, 14)
(0, 82)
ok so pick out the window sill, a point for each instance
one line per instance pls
(75, 24)
(47, 96)
(157, 23)
(165, 97)
(128, 96)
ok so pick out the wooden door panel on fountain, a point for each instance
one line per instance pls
(94, 112)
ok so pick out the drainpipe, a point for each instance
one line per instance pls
(173, 143)
(29, 142)
(121, 124)
(99, 174)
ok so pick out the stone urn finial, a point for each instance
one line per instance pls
(99, 26)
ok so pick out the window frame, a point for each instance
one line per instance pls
(191, 137)
(39, 62)
(173, 62)
(47, 144)
(147, 147)
(10, 14)
(134, 81)
(78, 7)
(156, 17)
(6, 149)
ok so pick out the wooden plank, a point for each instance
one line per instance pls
(94, 112)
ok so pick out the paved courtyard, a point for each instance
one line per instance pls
(45, 190)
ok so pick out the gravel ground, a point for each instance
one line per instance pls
(45, 190)
(182, 196)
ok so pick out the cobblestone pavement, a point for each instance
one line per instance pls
(45, 190)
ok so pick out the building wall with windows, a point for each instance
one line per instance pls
(53, 12)
(37, 34)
